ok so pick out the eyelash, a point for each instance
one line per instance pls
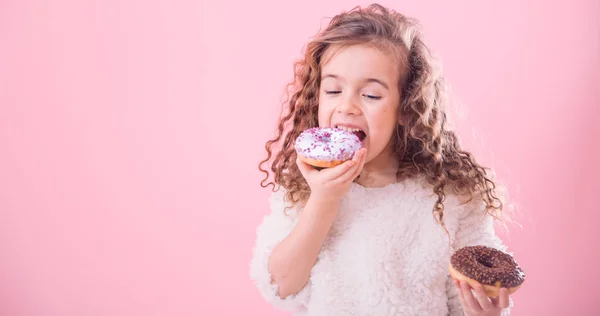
(372, 97)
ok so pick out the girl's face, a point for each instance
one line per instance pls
(359, 90)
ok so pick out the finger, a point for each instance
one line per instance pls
(355, 170)
(346, 168)
(305, 169)
(460, 294)
(503, 300)
(469, 298)
(333, 173)
(361, 162)
(349, 168)
(482, 298)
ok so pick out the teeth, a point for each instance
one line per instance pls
(349, 129)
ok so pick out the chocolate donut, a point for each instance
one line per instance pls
(492, 268)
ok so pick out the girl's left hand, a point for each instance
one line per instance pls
(481, 305)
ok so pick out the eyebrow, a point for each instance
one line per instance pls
(381, 82)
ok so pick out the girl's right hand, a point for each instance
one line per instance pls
(333, 183)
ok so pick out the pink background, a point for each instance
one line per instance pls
(130, 132)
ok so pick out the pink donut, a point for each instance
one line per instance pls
(326, 146)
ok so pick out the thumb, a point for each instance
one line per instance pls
(305, 168)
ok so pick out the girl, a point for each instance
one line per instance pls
(360, 238)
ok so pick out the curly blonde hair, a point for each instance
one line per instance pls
(423, 143)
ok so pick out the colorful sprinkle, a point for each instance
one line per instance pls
(327, 143)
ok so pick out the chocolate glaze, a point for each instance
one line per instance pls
(487, 266)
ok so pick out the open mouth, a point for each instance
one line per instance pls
(358, 132)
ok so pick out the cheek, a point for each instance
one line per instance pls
(383, 125)
(385, 120)
(322, 117)
(324, 112)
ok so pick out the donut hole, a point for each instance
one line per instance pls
(324, 138)
(486, 262)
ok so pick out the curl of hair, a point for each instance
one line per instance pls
(423, 143)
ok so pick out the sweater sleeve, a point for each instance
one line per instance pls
(274, 227)
(475, 227)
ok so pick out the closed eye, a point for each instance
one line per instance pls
(333, 92)
(372, 97)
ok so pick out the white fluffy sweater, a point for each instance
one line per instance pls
(384, 255)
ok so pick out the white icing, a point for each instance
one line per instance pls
(340, 145)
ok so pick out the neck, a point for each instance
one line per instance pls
(380, 171)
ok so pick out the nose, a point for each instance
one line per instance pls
(348, 105)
